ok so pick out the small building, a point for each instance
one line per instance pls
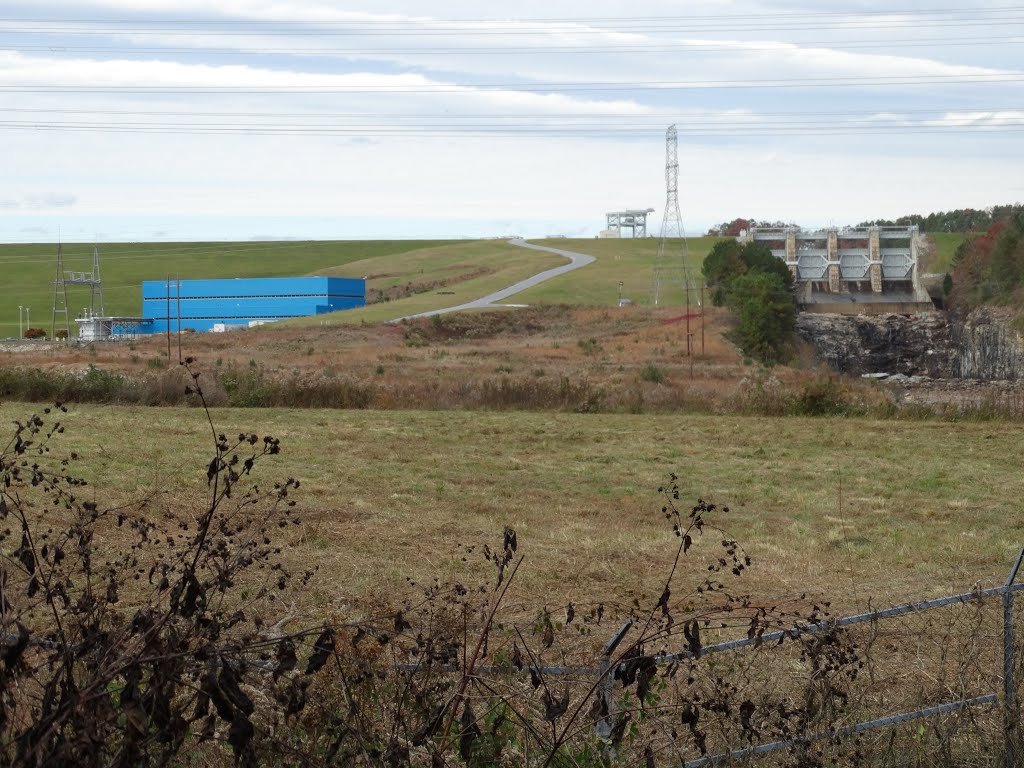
(635, 220)
(112, 328)
(201, 305)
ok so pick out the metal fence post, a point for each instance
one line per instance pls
(1011, 724)
(606, 681)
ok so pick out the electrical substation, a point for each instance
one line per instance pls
(218, 305)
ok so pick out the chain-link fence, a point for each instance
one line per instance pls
(930, 682)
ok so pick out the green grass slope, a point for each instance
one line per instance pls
(450, 274)
(27, 271)
(628, 261)
(418, 275)
(941, 259)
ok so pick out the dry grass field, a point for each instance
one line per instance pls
(849, 509)
(433, 363)
(562, 422)
(470, 426)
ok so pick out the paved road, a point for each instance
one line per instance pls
(576, 260)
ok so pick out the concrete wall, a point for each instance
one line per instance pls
(874, 307)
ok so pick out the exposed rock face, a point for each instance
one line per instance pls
(989, 346)
(986, 345)
(916, 345)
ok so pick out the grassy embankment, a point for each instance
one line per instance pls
(946, 243)
(27, 270)
(469, 271)
(387, 495)
(421, 275)
(626, 260)
(418, 275)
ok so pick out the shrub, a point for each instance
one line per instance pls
(89, 681)
(99, 385)
(35, 333)
(652, 373)
(246, 388)
(822, 397)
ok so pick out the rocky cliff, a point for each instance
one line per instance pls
(915, 345)
(988, 345)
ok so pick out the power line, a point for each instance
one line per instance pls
(517, 30)
(1016, 126)
(687, 48)
(963, 121)
(659, 118)
(477, 88)
(548, 19)
(895, 17)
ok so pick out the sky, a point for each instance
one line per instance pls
(151, 120)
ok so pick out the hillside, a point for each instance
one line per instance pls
(403, 277)
(28, 270)
(940, 258)
(989, 268)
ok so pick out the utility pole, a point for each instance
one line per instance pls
(689, 336)
(168, 285)
(21, 333)
(702, 312)
(177, 294)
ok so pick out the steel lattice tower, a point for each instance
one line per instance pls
(61, 282)
(666, 267)
(96, 284)
(60, 296)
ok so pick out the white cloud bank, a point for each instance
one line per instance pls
(185, 132)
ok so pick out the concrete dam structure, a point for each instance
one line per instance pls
(851, 270)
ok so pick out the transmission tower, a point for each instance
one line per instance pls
(60, 296)
(91, 279)
(670, 266)
(60, 289)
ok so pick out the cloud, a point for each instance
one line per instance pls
(482, 48)
(410, 130)
(992, 119)
(37, 202)
(415, 92)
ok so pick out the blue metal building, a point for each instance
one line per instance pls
(202, 304)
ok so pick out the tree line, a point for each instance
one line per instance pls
(958, 220)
